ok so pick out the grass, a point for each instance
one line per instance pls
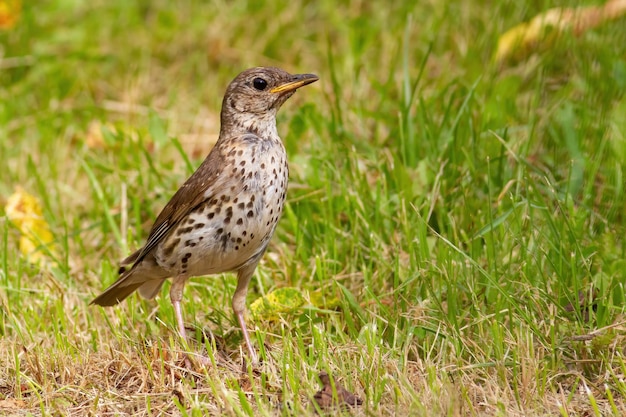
(461, 225)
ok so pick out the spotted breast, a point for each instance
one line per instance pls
(233, 226)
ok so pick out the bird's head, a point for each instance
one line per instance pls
(258, 93)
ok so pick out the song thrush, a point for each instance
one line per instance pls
(223, 216)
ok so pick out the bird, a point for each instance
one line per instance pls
(223, 217)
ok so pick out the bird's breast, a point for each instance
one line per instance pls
(238, 217)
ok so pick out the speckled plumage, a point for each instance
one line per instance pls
(223, 217)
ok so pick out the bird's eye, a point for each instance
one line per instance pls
(259, 83)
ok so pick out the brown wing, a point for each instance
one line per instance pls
(190, 195)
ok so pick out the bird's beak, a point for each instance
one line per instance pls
(296, 82)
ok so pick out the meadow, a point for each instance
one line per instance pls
(455, 226)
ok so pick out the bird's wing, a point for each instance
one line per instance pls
(190, 195)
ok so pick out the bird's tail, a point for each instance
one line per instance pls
(119, 290)
(143, 274)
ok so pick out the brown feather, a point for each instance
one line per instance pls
(181, 204)
(176, 209)
(116, 292)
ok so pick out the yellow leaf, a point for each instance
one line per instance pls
(324, 301)
(522, 39)
(539, 34)
(282, 300)
(9, 13)
(36, 240)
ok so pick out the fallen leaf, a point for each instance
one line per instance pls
(328, 397)
(9, 13)
(542, 30)
(282, 300)
(324, 301)
(36, 240)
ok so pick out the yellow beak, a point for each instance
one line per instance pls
(297, 81)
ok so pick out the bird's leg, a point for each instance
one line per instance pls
(176, 296)
(239, 304)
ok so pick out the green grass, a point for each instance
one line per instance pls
(462, 224)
